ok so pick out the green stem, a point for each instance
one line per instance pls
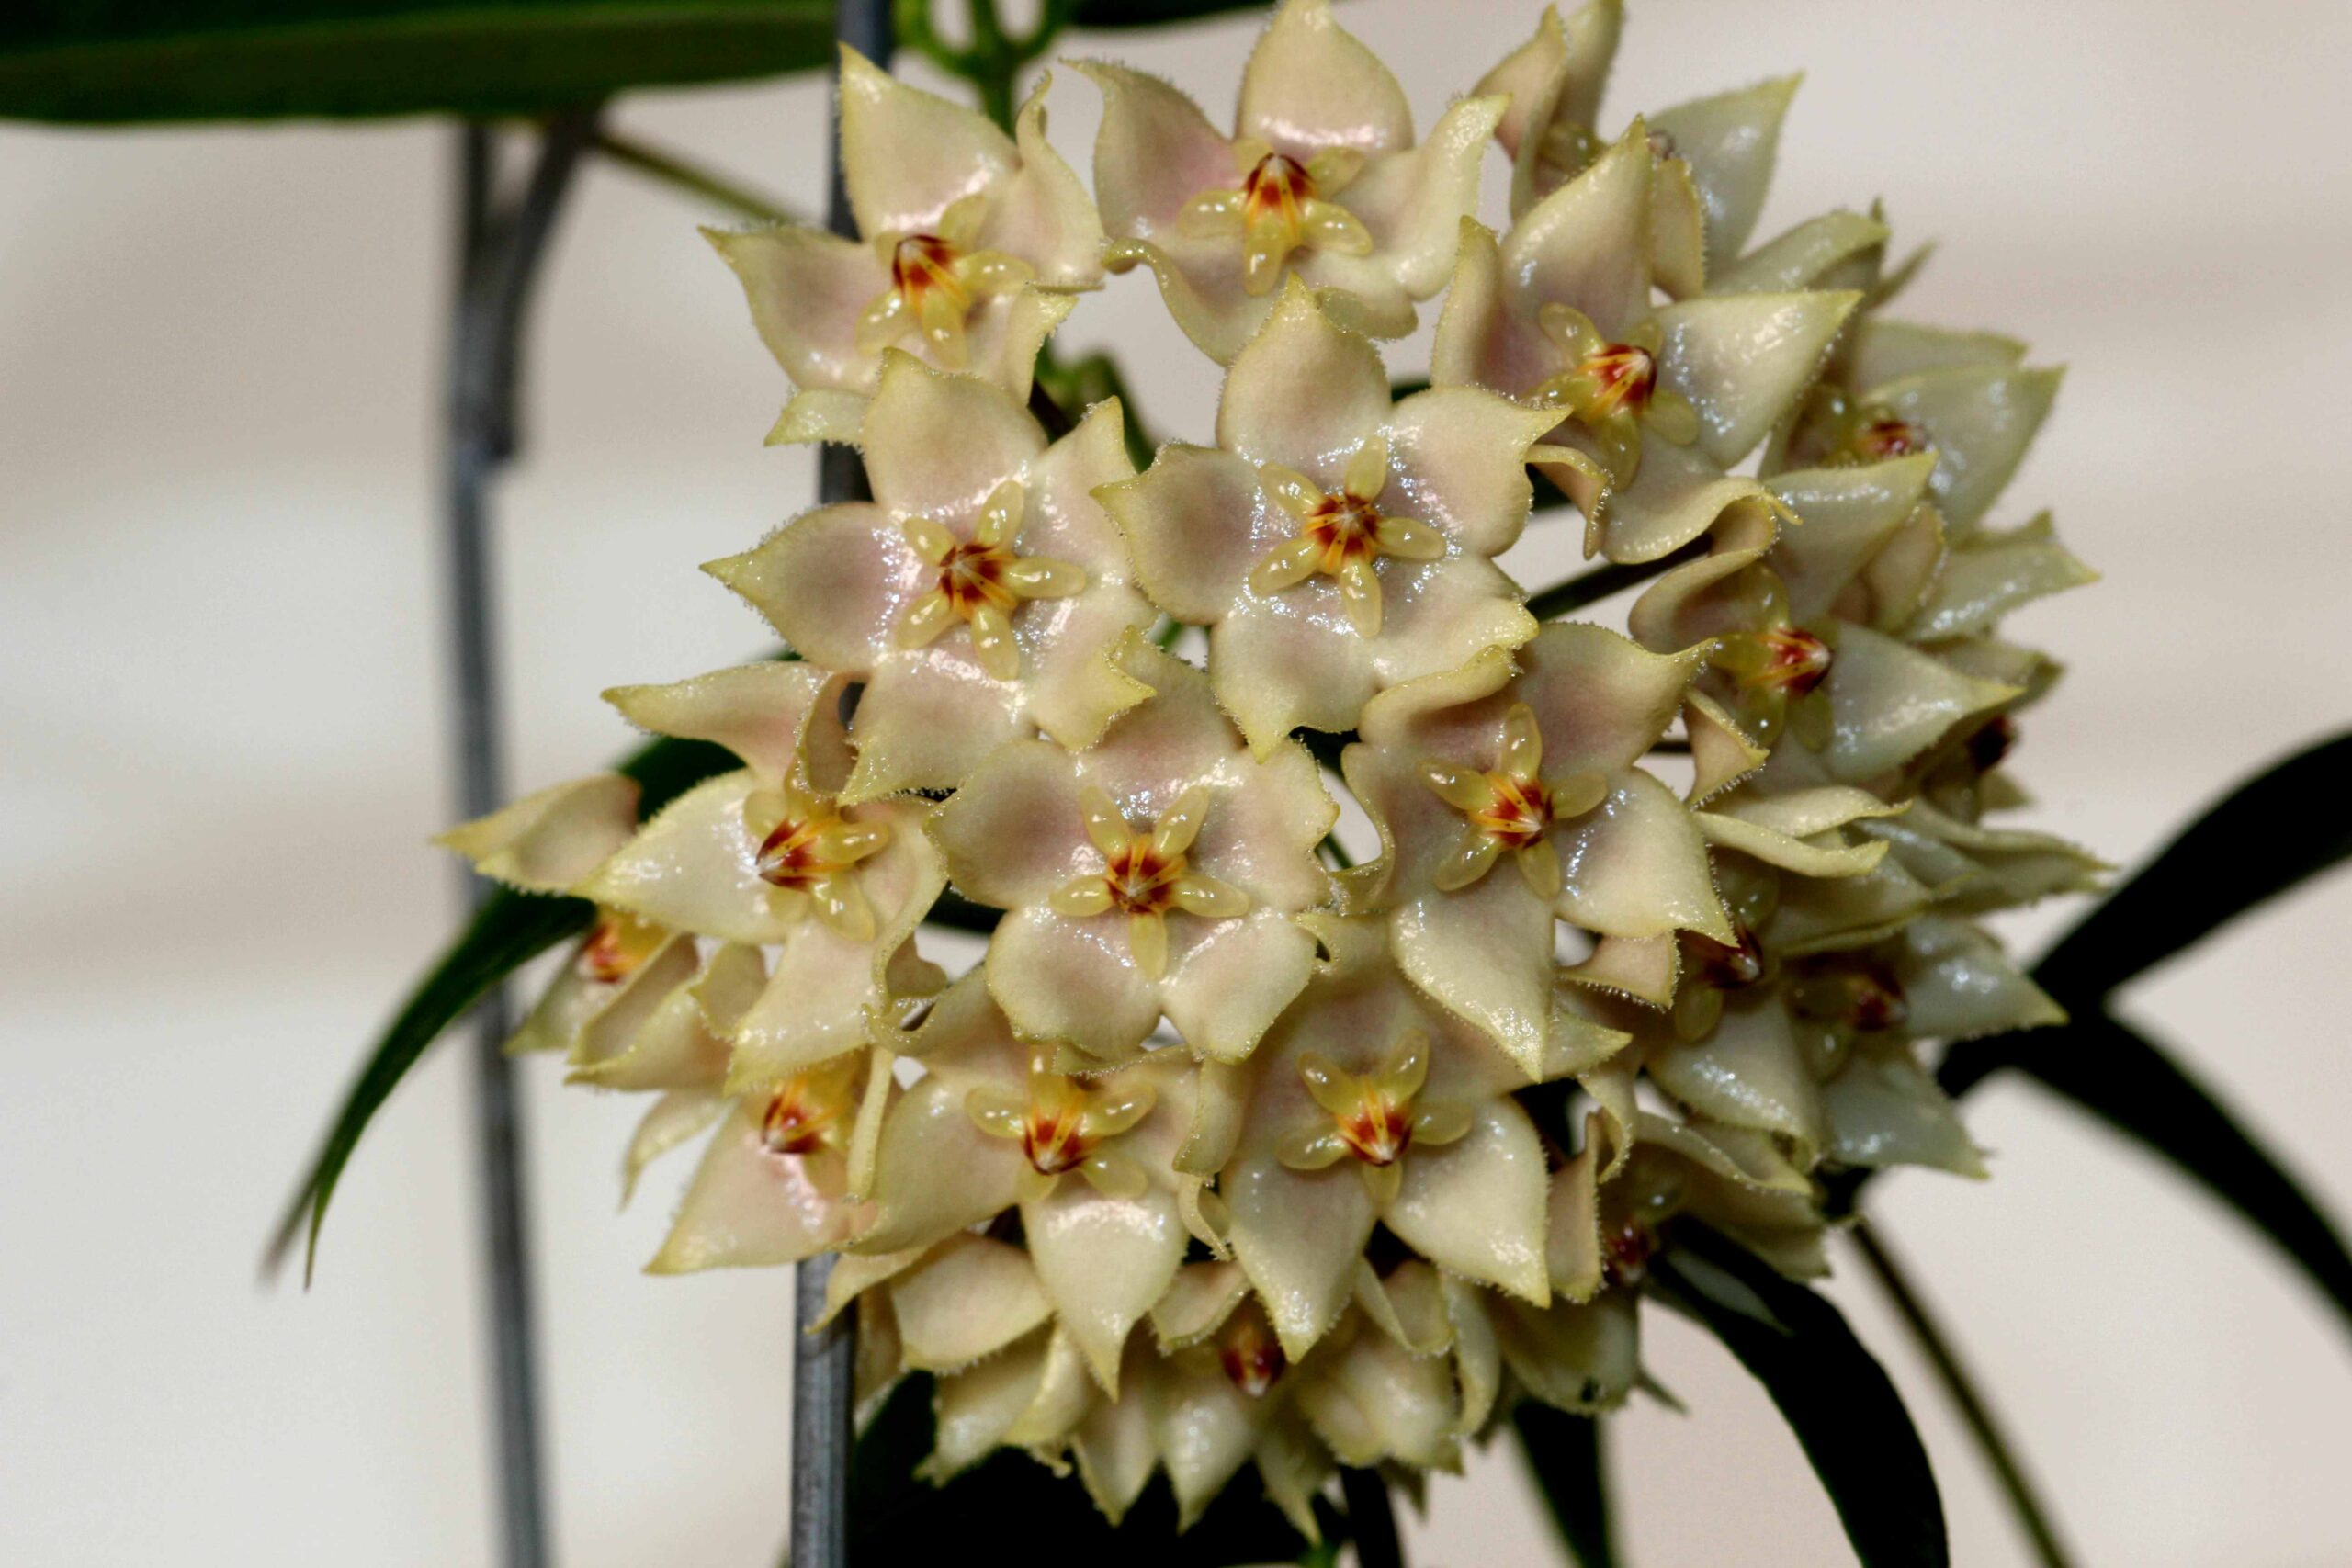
(1591, 587)
(672, 170)
(1961, 1389)
(1370, 1523)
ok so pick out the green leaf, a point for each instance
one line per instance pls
(1155, 13)
(2125, 1080)
(1010, 1498)
(1832, 1391)
(2265, 836)
(1563, 1450)
(105, 61)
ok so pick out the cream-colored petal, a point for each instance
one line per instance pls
(1849, 514)
(909, 155)
(1991, 574)
(1484, 953)
(1957, 984)
(1310, 84)
(1230, 980)
(1885, 1108)
(652, 1036)
(1889, 701)
(1644, 969)
(1197, 1302)
(1748, 1073)
(1824, 856)
(1980, 420)
(1103, 1262)
(1058, 978)
(1297, 1234)
(1729, 141)
(751, 1208)
(1412, 203)
(927, 718)
(1600, 700)
(1587, 244)
(806, 290)
(1304, 392)
(977, 1409)
(692, 868)
(1198, 522)
(1883, 350)
(1014, 831)
(1744, 359)
(1155, 152)
(1205, 1428)
(970, 1298)
(938, 444)
(1114, 1450)
(1581, 1358)
(1677, 495)
(1636, 865)
(1459, 462)
(1041, 212)
(1375, 1401)
(671, 1121)
(1484, 338)
(935, 1171)
(1806, 256)
(757, 711)
(551, 841)
(1476, 1207)
(831, 581)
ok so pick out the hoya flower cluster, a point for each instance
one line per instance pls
(1231, 1154)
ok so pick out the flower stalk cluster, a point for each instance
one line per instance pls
(1219, 1158)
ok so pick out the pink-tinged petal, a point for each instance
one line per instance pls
(1849, 514)
(757, 711)
(1201, 284)
(1530, 76)
(1885, 1108)
(550, 841)
(935, 1172)
(1482, 338)
(672, 1119)
(1677, 495)
(972, 1297)
(1587, 244)
(1582, 1358)
(1075, 685)
(1309, 85)
(806, 290)
(1644, 969)
(1749, 1073)
(1476, 1207)
(1196, 521)
(1729, 141)
(1458, 461)
(819, 1001)
(1721, 753)
(1636, 865)
(1155, 152)
(1103, 1261)
(1014, 831)
(1807, 256)
(1678, 231)
(1063, 519)
(1448, 718)
(1990, 574)
(1072, 980)
(692, 868)
(1889, 701)
(831, 581)
(1041, 212)
(1555, 78)
(1744, 359)
(937, 443)
(1697, 600)
(652, 1036)
(1600, 700)
(1114, 1449)
(907, 154)
(928, 717)
(1298, 1234)
(1228, 980)
(1958, 984)
(1374, 1401)
(1412, 203)
(1484, 953)
(751, 1208)
(1980, 420)
(1305, 393)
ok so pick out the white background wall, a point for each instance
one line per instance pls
(221, 747)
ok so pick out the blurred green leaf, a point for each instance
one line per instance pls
(2125, 1080)
(1010, 1498)
(2265, 836)
(1832, 1391)
(1563, 1452)
(112, 61)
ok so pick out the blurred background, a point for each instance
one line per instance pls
(221, 748)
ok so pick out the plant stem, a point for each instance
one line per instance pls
(1990, 1440)
(671, 169)
(1371, 1525)
(1592, 586)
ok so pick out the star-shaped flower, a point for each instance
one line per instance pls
(969, 240)
(1155, 871)
(1656, 403)
(771, 856)
(979, 595)
(1321, 178)
(1506, 798)
(1333, 543)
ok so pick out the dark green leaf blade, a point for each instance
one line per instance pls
(2125, 1080)
(2255, 843)
(1833, 1392)
(1563, 1452)
(117, 61)
(507, 931)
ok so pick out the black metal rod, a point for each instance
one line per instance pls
(824, 1360)
(498, 252)
(1962, 1389)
